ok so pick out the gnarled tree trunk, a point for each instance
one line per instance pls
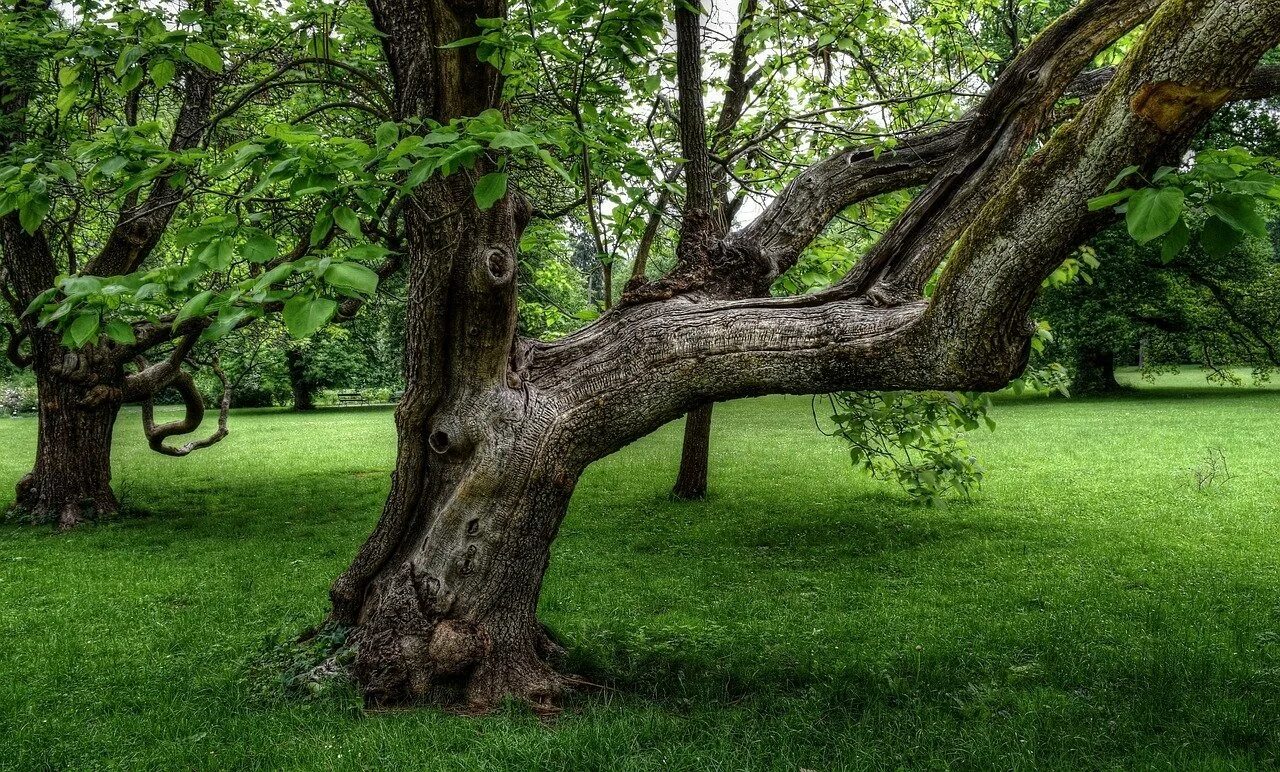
(70, 482)
(494, 431)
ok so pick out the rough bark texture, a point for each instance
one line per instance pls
(695, 455)
(70, 482)
(494, 432)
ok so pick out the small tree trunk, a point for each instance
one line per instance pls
(1095, 372)
(298, 381)
(691, 482)
(71, 480)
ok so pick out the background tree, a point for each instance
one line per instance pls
(143, 210)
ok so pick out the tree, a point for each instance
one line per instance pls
(124, 135)
(494, 431)
(1213, 303)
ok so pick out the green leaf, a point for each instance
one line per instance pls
(274, 276)
(490, 188)
(112, 165)
(121, 332)
(41, 299)
(82, 330)
(1218, 238)
(32, 213)
(259, 248)
(352, 278)
(1110, 200)
(1238, 211)
(162, 72)
(68, 75)
(1152, 213)
(1175, 242)
(1120, 178)
(323, 225)
(386, 135)
(367, 252)
(347, 220)
(225, 323)
(303, 316)
(511, 140)
(192, 308)
(204, 55)
(67, 98)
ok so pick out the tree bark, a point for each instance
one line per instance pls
(70, 482)
(695, 455)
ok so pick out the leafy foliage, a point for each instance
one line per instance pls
(915, 439)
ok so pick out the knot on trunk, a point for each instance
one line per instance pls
(706, 262)
(456, 646)
(1167, 103)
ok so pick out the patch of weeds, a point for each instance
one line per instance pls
(314, 667)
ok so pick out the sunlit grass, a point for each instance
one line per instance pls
(1090, 607)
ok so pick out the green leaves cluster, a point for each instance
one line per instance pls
(916, 439)
(1229, 189)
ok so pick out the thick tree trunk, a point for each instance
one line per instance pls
(1095, 372)
(299, 383)
(451, 619)
(71, 480)
(691, 482)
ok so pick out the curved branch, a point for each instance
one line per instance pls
(149, 381)
(13, 351)
(194, 404)
(370, 109)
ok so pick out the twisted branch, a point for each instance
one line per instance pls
(13, 351)
(194, 404)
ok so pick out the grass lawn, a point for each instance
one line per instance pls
(1089, 608)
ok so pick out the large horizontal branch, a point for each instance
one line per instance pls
(642, 366)
(810, 202)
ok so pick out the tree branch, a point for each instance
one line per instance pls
(194, 406)
(13, 350)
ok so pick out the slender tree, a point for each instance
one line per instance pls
(494, 431)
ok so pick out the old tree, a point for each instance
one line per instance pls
(494, 431)
(439, 605)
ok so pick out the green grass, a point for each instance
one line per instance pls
(1089, 608)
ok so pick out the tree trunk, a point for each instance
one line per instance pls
(691, 482)
(451, 618)
(71, 480)
(1095, 372)
(298, 381)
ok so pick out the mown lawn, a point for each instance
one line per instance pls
(1089, 608)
